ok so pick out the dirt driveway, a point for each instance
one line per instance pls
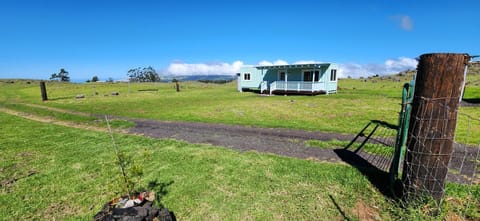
(284, 142)
(291, 143)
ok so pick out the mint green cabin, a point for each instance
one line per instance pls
(315, 78)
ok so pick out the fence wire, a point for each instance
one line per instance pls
(378, 146)
(433, 158)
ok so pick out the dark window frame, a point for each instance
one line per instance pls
(308, 75)
(280, 73)
(333, 75)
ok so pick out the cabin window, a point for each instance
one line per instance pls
(246, 76)
(281, 75)
(308, 75)
(333, 75)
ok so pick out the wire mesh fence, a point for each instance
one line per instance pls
(440, 174)
(377, 146)
(433, 159)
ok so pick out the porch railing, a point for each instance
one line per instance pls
(299, 86)
(263, 86)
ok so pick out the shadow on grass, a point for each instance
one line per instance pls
(251, 90)
(160, 189)
(339, 208)
(58, 98)
(385, 124)
(472, 100)
(375, 124)
(377, 177)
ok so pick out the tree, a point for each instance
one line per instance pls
(147, 74)
(95, 78)
(61, 76)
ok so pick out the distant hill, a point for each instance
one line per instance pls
(198, 78)
(473, 75)
(474, 68)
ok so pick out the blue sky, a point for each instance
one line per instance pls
(106, 38)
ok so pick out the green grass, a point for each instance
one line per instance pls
(51, 172)
(377, 149)
(332, 144)
(357, 103)
(68, 174)
(215, 103)
(50, 113)
(77, 118)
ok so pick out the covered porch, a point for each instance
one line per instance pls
(295, 87)
(294, 79)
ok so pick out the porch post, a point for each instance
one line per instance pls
(286, 79)
(313, 77)
(325, 81)
(261, 92)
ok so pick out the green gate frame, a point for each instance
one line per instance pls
(401, 140)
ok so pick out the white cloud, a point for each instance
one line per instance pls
(400, 64)
(280, 62)
(268, 63)
(265, 63)
(358, 70)
(355, 70)
(405, 22)
(390, 66)
(180, 68)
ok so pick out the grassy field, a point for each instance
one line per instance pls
(356, 104)
(51, 172)
(345, 112)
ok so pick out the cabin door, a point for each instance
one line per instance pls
(308, 76)
(281, 76)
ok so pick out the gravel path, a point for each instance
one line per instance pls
(291, 143)
(284, 142)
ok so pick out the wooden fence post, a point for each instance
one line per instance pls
(43, 89)
(438, 87)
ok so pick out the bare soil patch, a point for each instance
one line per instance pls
(365, 212)
(290, 143)
(283, 142)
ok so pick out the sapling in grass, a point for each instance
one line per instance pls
(130, 171)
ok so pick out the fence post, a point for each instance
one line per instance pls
(43, 90)
(438, 86)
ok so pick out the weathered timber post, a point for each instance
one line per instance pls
(438, 87)
(43, 89)
(177, 86)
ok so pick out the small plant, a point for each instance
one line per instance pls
(131, 171)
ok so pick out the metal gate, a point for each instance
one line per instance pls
(401, 140)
